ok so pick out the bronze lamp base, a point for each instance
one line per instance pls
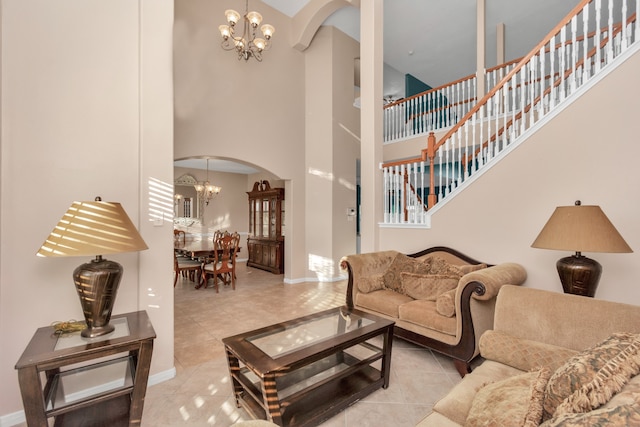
(97, 284)
(579, 275)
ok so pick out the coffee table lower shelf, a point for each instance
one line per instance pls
(302, 372)
(314, 405)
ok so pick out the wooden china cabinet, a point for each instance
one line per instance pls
(266, 216)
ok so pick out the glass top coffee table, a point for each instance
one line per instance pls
(304, 371)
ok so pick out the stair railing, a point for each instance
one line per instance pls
(437, 108)
(581, 45)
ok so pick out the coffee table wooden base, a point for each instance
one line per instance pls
(307, 386)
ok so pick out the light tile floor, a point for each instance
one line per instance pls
(201, 394)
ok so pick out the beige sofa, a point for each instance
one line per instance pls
(394, 286)
(534, 329)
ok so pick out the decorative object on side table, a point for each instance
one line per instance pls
(87, 229)
(582, 229)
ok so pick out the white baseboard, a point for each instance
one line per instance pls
(316, 279)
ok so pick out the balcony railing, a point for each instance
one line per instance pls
(583, 44)
(437, 108)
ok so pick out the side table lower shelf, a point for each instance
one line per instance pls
(109, 413)
(88, 382)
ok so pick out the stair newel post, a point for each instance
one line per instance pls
(431, 155)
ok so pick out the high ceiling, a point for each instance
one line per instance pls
(435, 40)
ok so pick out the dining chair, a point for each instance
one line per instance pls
(179, 236)
(236, 248)
(223, 264)
(187, 266)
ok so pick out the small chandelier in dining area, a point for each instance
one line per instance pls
(246, 45)
(205, 190)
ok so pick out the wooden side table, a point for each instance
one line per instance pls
(98, 381)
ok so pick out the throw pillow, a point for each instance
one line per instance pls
(403, 263)
(522, 353)
(438, 265)
(371, 283)
(590, 378)
(469, 268)
(427, 286)
(446, 303)
(515, 401)
(623, 415)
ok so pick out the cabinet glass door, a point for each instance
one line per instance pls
(272, 214)
(252, 214)
(265, 218)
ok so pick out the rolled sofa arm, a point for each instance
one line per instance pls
(364, 265)
(493, 278)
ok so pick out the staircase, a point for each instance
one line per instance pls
(586, 45)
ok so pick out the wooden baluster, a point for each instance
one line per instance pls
(563, 65)
(552, 67)
(396, 195)
(422, 195)
(414, 192)
(610, 34)
(598, 35)
(385, 188)
(624, 26)
(574, 58)
(425, 113)
(637, 36)
(404, 196)
(431, 143)
(541, 87)
(586, 68)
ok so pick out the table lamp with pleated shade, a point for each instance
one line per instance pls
(580, 228)
(94, 228)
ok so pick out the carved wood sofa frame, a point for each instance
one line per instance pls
(463, 352)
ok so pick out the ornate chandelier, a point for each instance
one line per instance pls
(247, 45)
(205, 190)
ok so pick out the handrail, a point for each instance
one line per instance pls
(426, 92)
(567, 19)
(617, 29)
(446, 85)
(567, 57)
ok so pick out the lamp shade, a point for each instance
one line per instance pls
(93, 228)
(581, 229)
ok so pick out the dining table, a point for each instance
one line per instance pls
(197, 249)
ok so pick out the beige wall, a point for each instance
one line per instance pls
(332, 146)
(86, 111)
(229, 209)
(588, 152)
(239, 110)
(345, 125)
(273, 115)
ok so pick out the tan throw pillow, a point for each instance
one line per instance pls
(427, 286)
(522, 353)
(403, 263)
(371, 283)
(623, 415)
(438, 265)
(515, 401)
(470, 268)
(592, 377)
(446, 304)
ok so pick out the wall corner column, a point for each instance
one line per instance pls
(371, 82)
